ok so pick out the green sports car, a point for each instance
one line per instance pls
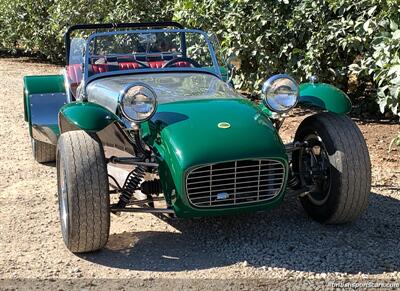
(144, 118)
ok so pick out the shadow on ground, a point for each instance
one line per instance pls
(284, 238)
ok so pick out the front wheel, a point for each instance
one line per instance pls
(335, 166)
(82, 192)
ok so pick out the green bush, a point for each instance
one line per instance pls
(38, 27)
(304, 37)
(352, 44)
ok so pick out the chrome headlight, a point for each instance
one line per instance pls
(138, 102)
(280, 93)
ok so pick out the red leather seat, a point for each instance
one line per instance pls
(128, 65)
(160, 64)
(182, 64)
(156, 64)
(74, 73)
(99, 68)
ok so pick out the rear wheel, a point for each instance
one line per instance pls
(335, 166)
(43, 152)
(82, 192)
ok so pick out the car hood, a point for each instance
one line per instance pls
(169, 87)
(199, 132)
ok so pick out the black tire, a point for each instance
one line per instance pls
(83, 195)
(43, 152)
(348, 165)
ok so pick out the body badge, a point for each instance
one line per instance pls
(224, 125)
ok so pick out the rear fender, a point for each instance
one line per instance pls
(324, 96)
(43, 98)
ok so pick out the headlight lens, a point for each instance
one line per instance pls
(138, 102)
(280, 93)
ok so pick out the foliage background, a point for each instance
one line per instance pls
(352, 44)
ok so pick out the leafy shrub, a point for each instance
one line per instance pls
(383, 62)
(329, 38)
(38, 26)
(352, 44)
(23, 24)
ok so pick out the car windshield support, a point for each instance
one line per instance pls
(92, 38)
(115, 26)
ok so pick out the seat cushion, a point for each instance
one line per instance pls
(182, 64)
(74, 73)
(156, 64)
(98, 68)
(128, 65)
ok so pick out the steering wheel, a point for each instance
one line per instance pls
(172, 62)
(143, 65)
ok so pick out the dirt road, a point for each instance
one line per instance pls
(258, 250)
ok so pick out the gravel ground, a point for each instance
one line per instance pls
(280, 248)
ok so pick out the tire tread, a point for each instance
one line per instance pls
(90, 223)
(353, 187)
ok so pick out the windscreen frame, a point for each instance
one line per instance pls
(210, 47)
(115, 26)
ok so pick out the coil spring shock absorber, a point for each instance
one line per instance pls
(131, 184)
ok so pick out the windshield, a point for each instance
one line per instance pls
(95, 54)
(148, 50)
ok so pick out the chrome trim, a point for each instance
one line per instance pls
(67, 86)
(235, 182)
(122, 96)
(267, 85)
(44, 119)
(217, 175)
(265, 184)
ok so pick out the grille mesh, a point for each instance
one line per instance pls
(234, 183)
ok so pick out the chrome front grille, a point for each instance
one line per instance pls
(234, 183)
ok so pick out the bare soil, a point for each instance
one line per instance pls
(282, 246)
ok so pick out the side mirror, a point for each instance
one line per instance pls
(234, 62)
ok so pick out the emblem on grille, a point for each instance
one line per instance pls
(224, 125)
(222, 196)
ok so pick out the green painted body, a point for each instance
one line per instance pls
(46, 85)
(88, 116)
(186, 134)
(324, 96)
(320, 95)
(41, 85)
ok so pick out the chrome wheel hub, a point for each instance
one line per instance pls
(315, 169)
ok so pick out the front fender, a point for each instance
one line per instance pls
(324, 96)
(86, 116)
